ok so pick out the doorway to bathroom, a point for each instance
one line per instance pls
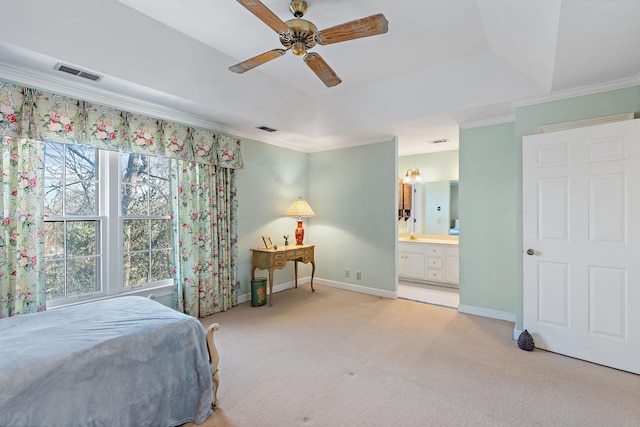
(437, 295)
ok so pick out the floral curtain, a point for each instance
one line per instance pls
(29, 116)
(21, 237)
(206, 232)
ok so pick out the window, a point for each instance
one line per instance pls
(146, 219)
(107, 223)
(72, 225)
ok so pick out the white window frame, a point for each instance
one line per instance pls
(111, 232)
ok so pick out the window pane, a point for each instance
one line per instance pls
(161, 233)
(135, 235)
(136, 268)
(54, 279)
(81, 162)
(135, 200)
(81, 276)
(159, 171)
(161, 265)
(53, 239)
(134, 168)
(159, 197)
(82, 238)
(54, 160)
(53, 197)
(159, 167)
(81, 198)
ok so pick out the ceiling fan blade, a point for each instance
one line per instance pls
(257, 60)
(322, 69)
(365, 27)
(265, 15)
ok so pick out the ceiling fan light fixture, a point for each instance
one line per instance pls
(299, 49)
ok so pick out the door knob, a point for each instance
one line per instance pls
(530, 252)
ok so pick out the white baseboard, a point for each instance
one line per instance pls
(516, 333)
(487, 312)
(358, 288)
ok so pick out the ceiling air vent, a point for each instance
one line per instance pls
(266, 129)
(439, 141)
(77, 72)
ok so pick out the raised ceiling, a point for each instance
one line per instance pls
(442, 65)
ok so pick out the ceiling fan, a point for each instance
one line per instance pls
(300, 35)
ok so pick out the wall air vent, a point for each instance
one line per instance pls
(266, 129)
(439, 141)
(77, 72)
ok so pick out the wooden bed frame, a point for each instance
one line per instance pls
(214, 359)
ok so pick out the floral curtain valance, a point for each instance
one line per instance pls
(33, 114)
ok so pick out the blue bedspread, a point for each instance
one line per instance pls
(126, 361)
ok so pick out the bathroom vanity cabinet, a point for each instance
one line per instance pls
(423, 260)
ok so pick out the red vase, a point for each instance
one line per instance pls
(299, 233)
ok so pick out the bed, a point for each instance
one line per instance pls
(127, 361)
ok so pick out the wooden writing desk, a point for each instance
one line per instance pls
(270, 259)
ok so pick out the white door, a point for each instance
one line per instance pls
(581, 235)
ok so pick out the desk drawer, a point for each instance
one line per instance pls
(278, 260)
(308, 254)
(298, 253)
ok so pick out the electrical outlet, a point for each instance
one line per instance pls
(358, 275)
(346, 273)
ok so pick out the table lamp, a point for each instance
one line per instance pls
(300, 208)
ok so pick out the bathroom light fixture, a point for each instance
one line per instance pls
(299, 208)
(412, 176)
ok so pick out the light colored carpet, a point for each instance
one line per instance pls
(338, 358)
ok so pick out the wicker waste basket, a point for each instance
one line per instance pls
(258, 291)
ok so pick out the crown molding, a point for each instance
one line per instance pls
(555, 96)
(581, 91)
(488, 122)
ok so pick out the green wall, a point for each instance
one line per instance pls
(488, 209)
(354, 194)
(440, 166)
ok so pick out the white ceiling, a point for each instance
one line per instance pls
(443, 64)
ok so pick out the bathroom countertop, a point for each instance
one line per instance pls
(445, 240)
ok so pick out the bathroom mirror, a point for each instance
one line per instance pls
(435, 210)
(440, 210)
